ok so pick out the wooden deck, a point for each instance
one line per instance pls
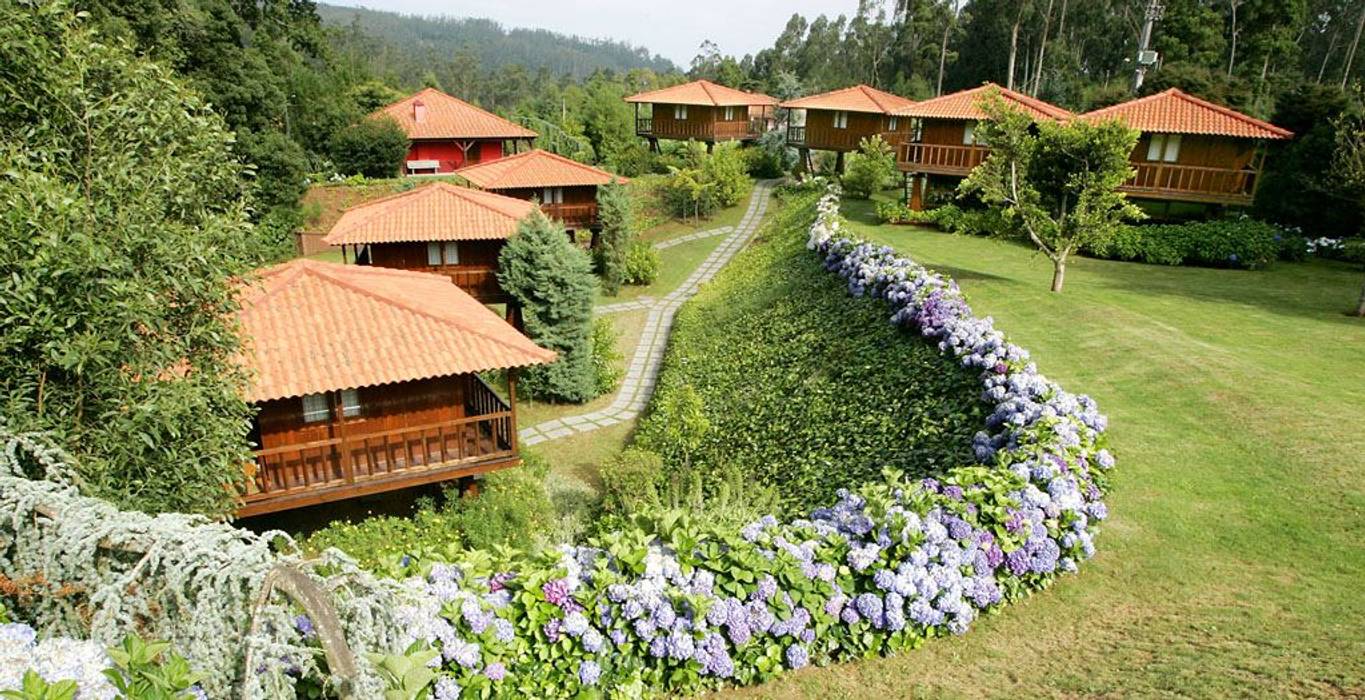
(347, 466)
(573, 215)
(939, 159)
(837, 139)
(699, 130)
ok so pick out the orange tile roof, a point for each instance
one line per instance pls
(966, 104)
(859, 98)
(535, 168)
(1176, 112)
(312, 326)
(703, 92)
(446, 117)
(438, 211)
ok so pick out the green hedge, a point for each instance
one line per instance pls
(802, 388)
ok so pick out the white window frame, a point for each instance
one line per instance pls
(350, 403)
(892, 123)
(552, 195)
(841, 119)
(969, 134)
(315, 408)
(680, 112)
(443, 253)
(1164, 147)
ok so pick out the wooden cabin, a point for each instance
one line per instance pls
(442, 228)
(566, 189)
(1192, 150)
(838, 121)
(446, 133)
(366, 380)
(943, 148)
(702, 111)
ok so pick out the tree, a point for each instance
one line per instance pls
(124, 221)
(1056, 181)
(871, 169)
(1348, 176)
(553, 285)
(618, 230)
(370, 147)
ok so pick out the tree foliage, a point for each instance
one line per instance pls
(122, 213)
(371, 147)
(553, 285)
(871, 169)
(616, 212)
(1056, 182)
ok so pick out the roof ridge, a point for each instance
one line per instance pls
(380, 205)
(1228, 111)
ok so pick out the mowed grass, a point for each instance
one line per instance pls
(1233, 564)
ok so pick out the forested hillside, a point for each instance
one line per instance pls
(409, 47)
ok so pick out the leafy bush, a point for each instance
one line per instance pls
(606, 359)
(642, 263)
(61, 668)
(706, 182)
(793, 380)
(630, 481)
(551, 280)
(371, 147)
(512, 508)
(769, 156)
(871, 169)
(1242, 243)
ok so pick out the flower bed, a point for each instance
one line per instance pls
(676, 606)
(671, 605)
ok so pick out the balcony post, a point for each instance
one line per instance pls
(512, 406)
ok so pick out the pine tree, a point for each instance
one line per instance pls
(618, 230)
(552, 281)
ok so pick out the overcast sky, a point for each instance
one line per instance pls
(673, 29)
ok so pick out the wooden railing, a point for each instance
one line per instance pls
(479, 282)
(839, 139)
(939, 159)
(796, 135)
(1192, 183)
(700, 130)
(572, 215)
(644, 125)
(488, 433)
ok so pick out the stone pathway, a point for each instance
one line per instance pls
(638, 384)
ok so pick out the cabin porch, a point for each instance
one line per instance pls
(702, 123)
(378, 439)
(472, 265)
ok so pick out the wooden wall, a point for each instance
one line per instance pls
(821, 134)
(1204, 151)
(280, 423)
(942, 132)
(578, 194)
(413, 255)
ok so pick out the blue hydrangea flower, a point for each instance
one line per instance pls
(589, 672)
(797, 657)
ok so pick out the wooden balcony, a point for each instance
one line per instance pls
(1190, 183)
(939, 159)
(574, 216)
(838, 139)
(701, 130)
(350, 465)
(479, 282)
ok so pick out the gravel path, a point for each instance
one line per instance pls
(638, 384)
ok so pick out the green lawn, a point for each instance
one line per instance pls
(1233, 564)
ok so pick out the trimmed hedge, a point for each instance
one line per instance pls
(805, 390)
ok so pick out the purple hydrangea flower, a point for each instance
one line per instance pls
(556, 591)
(797, 657)
(589, 672)
(495, 671)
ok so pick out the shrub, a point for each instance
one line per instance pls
(618, 232)
(606, 358)
(769, 156)
(642, 263)
(1242, 243)
(871, 169)
(705, 182)
(512, 508)
(551, 280)
(793, 379)
(630, 481)
(370, 147)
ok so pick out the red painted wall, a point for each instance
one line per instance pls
(451, 156)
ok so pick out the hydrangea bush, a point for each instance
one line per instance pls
(676, 606)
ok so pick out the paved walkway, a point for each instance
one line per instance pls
(638, 384)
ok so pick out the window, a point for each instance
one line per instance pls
(841, 120)
(1164, 147)
(552, 195)
(729, 114)
(680, 112)
(350, 403)
(439, 253)
(891, 124)
(315, 408)
(969, 134)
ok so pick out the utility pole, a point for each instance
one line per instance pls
(1146, 57)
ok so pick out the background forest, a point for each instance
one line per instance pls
(288, 75)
